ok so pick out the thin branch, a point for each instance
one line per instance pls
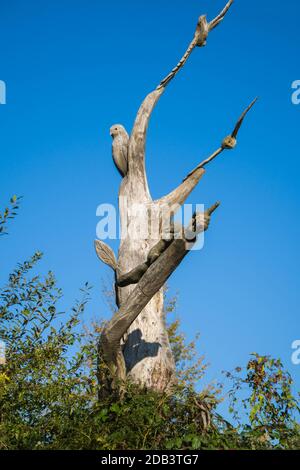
(179, 66)
(200, 38)
(136, 152)
(205, 162)
(181, 193)
(220, 17)
(228, 143)
(213, 208)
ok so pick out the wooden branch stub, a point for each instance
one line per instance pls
(179, 195)
(199, 223)
(213, 208)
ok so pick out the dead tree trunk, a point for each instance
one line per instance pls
(135, 343)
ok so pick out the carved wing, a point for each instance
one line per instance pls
(106, 254)
(120, 153)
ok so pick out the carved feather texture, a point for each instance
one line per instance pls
(105, 254)
(120, 148)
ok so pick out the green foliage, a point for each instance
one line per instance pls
(264, 391)
(48, 389)
(9, 213)
(41, 381)
(49, 392)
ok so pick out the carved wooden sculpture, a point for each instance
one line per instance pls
(134, 343)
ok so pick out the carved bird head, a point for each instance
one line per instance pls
(117, 129)
(229, 142)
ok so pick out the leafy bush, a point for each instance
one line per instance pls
(49, 392)
(9, 213)
(268, 403)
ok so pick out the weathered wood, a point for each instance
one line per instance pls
(120, 148)
(105, 254)
(135, 343)
(149, 284)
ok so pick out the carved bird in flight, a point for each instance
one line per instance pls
(120, 148)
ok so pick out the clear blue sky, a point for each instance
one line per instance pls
(75, 67)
